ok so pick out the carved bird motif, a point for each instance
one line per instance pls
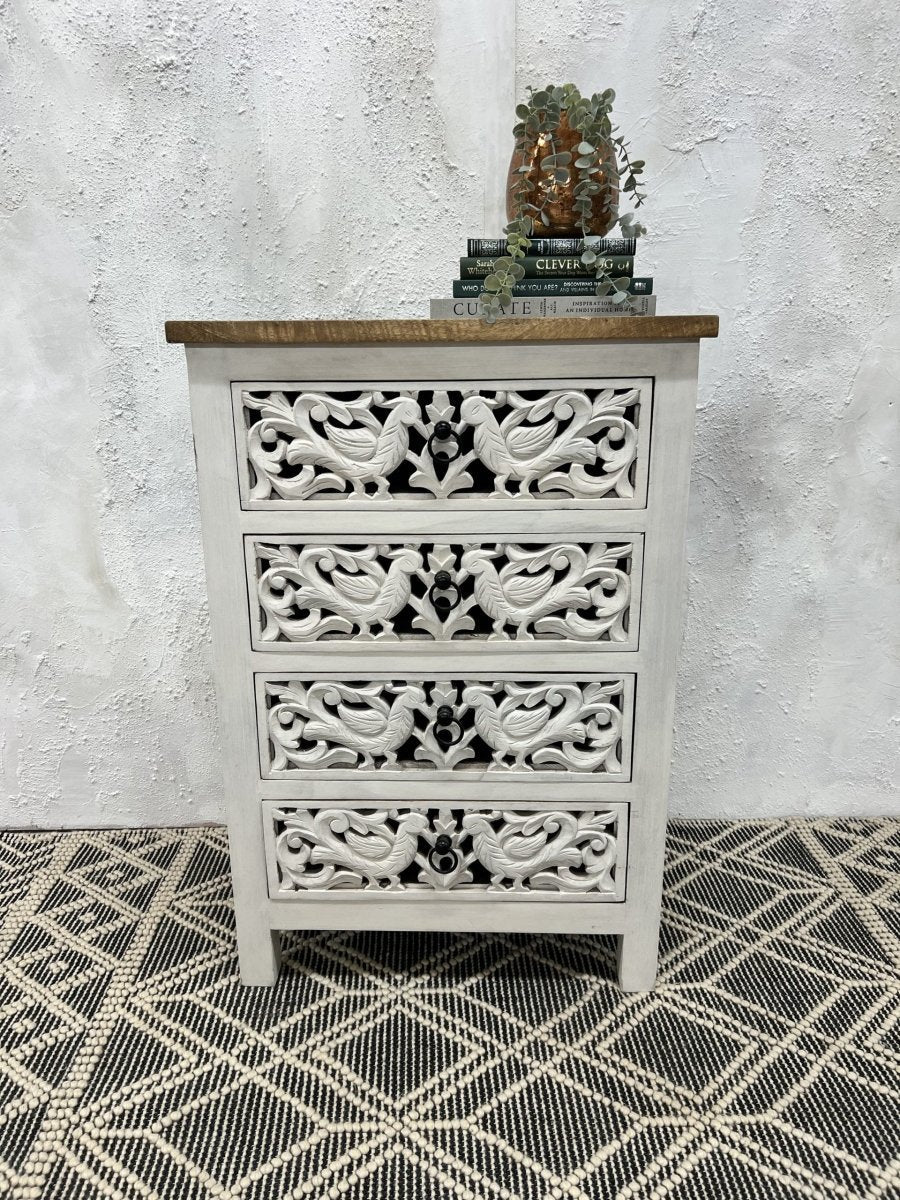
(355, 447)
(351, 585)
(527, 717)
(532, 440)
(369, 845)
(523, 845)
(348, 846)
(528, 587)
(361, 718)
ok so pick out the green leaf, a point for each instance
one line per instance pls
(491, 283)
(637, 165)
(522, 110)
(561, 176)
(585, 148)
(539, 99)
(589, 258)
(517, 271)
(603, 288)
(622, 282)
(618, 297)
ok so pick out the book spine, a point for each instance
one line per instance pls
(496, 247)
(537, 266)
(549, 306)
(551, 287)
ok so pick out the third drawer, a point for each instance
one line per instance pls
(460, 724)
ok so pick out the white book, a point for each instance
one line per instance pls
(548, 306)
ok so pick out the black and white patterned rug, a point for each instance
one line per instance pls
(453, 1067)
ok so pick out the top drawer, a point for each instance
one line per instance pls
(546, 443)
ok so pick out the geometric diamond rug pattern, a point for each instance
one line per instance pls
(766, 1063)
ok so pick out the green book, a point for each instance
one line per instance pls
(553, 287)
(561, 265)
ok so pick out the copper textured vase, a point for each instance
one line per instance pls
(564, 219)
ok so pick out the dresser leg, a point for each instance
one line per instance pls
(636, 959)
(259, 954)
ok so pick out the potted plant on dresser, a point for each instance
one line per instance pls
(568, 173)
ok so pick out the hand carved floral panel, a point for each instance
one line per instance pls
(498, 591)
(446, 849)
(584, 443)
(402, 725)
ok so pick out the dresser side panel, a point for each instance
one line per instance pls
(223, 551)
(675, 398)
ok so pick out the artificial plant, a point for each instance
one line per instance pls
(602, 166)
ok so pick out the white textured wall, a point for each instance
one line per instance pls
(177, 159)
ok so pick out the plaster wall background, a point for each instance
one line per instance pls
(164, 159)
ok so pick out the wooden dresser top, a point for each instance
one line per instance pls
(427, 332)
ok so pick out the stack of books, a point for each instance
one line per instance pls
(556, 282)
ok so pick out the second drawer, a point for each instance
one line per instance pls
(567, 591)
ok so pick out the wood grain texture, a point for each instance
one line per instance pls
(426, 332)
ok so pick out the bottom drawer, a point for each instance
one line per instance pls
(478, 850)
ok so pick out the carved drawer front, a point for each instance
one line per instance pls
(353, 593)
(583, 443)
(464, 851)
(573, 728)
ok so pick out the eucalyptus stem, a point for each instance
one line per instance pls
(599, 153)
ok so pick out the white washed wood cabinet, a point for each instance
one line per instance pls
(444, 564)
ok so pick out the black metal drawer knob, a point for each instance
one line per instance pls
(443, 858)
(444, 717)
(444, 432)
(438, 592)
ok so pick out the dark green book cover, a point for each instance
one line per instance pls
(538, 266)
(463, 288)
(494, 247)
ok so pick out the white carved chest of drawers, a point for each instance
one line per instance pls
(444, 564)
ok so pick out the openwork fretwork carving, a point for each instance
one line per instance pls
(501, 725)
(561, 443)
(497, 591)
(446, 849)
